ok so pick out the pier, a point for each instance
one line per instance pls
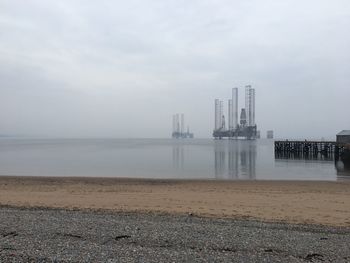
(309, 148)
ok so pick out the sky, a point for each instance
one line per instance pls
(103, 68)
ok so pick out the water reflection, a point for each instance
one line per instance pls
(341, 164)
(178, 157)
(233, 164)
(235, 159)
(155, 158)
(318, 157)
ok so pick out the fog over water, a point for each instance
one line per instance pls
(122, 68)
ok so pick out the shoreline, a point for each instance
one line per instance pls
(297, 202)
(145, 179)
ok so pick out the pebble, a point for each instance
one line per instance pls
(49, 235)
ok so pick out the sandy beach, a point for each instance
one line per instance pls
(323, 203)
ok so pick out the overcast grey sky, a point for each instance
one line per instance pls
(122, 68)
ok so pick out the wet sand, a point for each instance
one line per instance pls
(323, 203)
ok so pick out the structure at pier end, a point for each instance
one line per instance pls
(245, 127)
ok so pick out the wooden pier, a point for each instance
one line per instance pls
(309, 148)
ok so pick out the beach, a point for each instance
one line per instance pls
(82, 219)
(296, 202)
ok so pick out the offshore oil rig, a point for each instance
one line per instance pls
(179, 128)
(246, 128)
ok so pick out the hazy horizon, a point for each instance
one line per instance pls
(122, 69)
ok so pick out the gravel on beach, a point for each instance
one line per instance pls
(55, 235)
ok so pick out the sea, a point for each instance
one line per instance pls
(161, 159)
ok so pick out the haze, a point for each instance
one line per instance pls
(123, 68)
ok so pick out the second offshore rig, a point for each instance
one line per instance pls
(246, 127)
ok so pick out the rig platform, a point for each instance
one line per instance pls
(248, 132)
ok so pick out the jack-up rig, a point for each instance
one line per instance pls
(179, 128)
(246, 128)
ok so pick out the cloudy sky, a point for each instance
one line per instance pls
(122, 68)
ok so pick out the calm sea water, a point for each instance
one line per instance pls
(158, 158)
